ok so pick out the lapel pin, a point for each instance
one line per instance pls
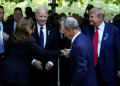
(48, 32)
(106, 37)
(71, 48)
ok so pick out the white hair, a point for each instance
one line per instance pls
(40, 8)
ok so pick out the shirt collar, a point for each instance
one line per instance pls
(101, 27)
(15, 22)
(40, 26)
(0, 22)
(75, 36)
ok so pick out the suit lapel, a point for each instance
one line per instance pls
(36, 34)
(47, 35)
(91, 32)
(74, 42)
(104, 35)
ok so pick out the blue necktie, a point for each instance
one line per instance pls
(41, 38)
(1, 42)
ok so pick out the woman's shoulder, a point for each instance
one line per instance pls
(30, 39)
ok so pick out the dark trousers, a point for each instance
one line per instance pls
(41, 78)
(65, 79)
(100, 80)
(5, 83)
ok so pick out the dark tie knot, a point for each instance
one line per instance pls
(41, 28)
(97, 28)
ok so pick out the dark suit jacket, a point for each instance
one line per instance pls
(16, 67)
(82, 62)
(51, 42)
(63, 43)
(117, 24)
(109, 59)
(7, 30)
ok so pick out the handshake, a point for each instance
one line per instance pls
(65, 53)
(38, 65)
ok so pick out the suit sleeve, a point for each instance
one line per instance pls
(81, 68)
(34, 48)
(56, 44)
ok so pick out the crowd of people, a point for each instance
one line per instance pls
(88, 48)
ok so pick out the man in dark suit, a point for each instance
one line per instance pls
(46, 37)
(64, 63)
(5, 31)
(117, 24)
(106, 42)
(81, 54)
(17, 15)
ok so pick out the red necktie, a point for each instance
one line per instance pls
(95, 42)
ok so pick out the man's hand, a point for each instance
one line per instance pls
(48, 67)
(37, 65)
(65, 52)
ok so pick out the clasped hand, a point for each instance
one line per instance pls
(65, 52)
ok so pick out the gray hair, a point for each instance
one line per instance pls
(100, 12)
(70, 22)
(40, 8)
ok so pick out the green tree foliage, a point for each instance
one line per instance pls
(76, 7)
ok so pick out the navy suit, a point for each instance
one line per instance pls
(45, 78)
(16, 68)
(64, 42)
(109, 59)
(7, 30)
(82, 62)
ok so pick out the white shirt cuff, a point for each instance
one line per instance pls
(32, 61)
(51, 63)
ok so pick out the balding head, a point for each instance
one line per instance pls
(70, 22)
(41, 16)
(70, 27)
(40, 8)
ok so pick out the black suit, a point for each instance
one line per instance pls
(16, 68)
(42, 77)
(7, 30)
(64, 42)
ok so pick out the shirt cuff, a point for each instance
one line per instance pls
(51, 63)
(32, 61)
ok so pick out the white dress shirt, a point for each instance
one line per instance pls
(100, 31)
(44, 33)
(1, 25)
(75, 36)
(15, 24)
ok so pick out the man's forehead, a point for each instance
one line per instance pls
(1, 9)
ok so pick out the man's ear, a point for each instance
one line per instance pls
(69, 29)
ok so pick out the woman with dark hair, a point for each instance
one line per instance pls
(21, 46)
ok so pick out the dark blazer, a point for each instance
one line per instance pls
(109, 59)
(12, 24)
(82, 62)
(63, 43)
(51, 42)
(16, 68)
(7, 30)
(117, 24)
